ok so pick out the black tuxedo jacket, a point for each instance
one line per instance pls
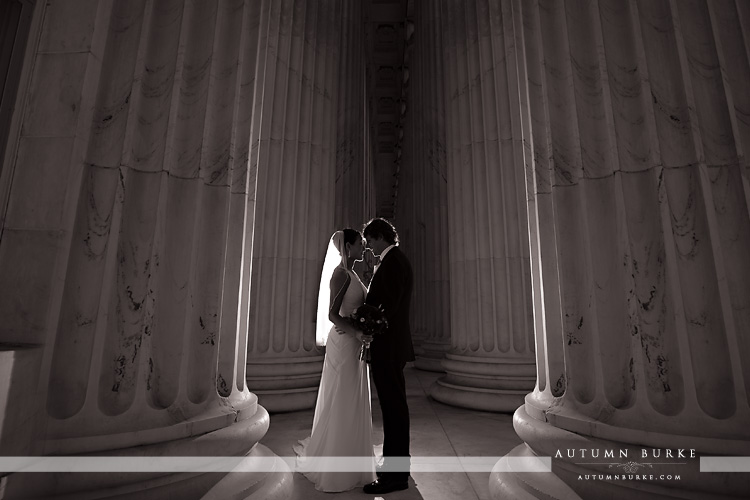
(391, 289)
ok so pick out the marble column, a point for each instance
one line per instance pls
(425, 156)
(124, 243)
(355, 196)
(640, 229)
(408, 190)
(351, 208)
(293, 149)
(490, 365)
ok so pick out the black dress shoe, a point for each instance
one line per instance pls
(381, 486)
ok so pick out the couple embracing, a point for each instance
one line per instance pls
(342, 425)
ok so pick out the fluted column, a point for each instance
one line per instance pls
(351, 129)
(491, 363)
(640, 230)
(426, 155)
(146, 136)
(408, 190)
(293, 150)
(353, 167)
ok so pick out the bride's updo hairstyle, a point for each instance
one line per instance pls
(351, 236)
(379, 227)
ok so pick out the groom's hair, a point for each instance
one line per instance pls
(379, 227)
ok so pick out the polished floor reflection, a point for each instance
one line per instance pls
(436, 430)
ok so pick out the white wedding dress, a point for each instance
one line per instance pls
(342, 426)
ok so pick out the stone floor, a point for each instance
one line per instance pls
(436, 430)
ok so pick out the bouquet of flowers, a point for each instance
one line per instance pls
(371, 320)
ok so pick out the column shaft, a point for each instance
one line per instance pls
(140, 332)
(423, 186)
(294, 152)
(351, 129)
(639, 217)
(490, 365)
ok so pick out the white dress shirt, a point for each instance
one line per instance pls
(382, 256)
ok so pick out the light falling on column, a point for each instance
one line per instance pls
(351, 208)
(293, 148)
(490, 365)
(423, 185)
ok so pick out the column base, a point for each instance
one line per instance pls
(485, 384)
(418, 338)
(282, 401)
(590, 468)
(288, 384)
(274, 485)
(431, 355)
(20, 407)
(505, 483)
(428, 364)
(234, 440)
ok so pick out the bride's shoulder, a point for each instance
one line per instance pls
(340, 275)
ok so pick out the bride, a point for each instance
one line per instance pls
(342, 425)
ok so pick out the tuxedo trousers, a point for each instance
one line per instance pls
(391, 387)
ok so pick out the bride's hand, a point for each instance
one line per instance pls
(362, 337)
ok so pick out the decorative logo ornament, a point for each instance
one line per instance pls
(631, 466)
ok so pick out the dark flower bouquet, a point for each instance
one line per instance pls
(371, 320)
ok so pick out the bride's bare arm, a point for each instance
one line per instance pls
(339, 283)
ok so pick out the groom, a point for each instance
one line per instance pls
(390, 289)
